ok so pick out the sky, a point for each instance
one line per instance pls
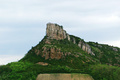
(23, 23)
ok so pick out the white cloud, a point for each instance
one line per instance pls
(97, 19)
(115, 43)
(4, 59)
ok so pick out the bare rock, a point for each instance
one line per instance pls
(85, 47)
(55, 31)
(80, 44)
(52, 53)
(115, 49)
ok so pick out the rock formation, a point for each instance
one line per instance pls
(54, 31)
(52, 53)
(85, 47)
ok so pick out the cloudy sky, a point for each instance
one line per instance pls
(23, 23)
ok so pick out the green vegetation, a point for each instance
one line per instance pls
(98, 72)
(102, 66)
(28, 71)
(82, 58)
(104, 72)
(106, 54)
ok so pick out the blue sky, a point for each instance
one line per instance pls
(23, 23)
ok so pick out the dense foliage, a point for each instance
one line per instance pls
(104, 72)
(98, 72)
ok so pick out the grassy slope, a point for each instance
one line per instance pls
(105, 53)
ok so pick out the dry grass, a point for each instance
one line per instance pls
(64, 77)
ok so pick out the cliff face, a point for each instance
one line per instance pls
(55, 31)
(85, 47)
(82, 44)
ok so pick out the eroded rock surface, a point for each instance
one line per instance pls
(55, 31)
(52, 53)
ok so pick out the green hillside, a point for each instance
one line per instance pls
(59, 52)
(78, 58)
(106, 54)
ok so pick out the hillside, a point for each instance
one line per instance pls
(59, 52)
(58, 45)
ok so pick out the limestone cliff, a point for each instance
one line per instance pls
(54, 31)
(82, 44)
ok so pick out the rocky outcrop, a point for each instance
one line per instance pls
(55, 31)
(115, 49)
(83, 45)
(52, 53)
(49, 51)
(87, 48)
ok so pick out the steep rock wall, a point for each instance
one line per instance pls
(83, 45)
(55, 31)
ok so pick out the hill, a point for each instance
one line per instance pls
(59, 52)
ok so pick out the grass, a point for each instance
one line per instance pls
(65, 76)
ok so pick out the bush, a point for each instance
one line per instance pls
(104, 72)
(4, 69)
(19, 66)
